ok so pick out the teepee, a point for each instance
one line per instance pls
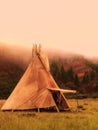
(37, 89)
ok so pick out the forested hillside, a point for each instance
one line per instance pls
(76, 73)
(10, 73)
(73, 72)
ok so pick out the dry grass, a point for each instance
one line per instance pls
(85, 119)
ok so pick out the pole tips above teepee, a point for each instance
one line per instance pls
(36, 49)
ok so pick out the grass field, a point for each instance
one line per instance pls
(85, 119)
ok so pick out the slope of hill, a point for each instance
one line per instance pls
(76, 73)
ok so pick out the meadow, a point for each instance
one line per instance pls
(83, 118)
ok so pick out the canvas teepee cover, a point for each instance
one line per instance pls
(36, 88)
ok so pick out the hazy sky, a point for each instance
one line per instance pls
(69, 25)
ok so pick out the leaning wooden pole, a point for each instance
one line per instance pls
(77, 101)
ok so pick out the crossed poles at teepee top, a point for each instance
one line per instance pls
(36, 49)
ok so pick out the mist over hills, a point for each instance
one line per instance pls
(22, 55)
(78, 72)
(17, 54)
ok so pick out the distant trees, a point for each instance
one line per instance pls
(10, 73)
(88, 77)
(92, 75)
(55, 71)
(70, 74)
(93, 66)
(61, 75)
(76, 80)
(85, 79)
(67, 77)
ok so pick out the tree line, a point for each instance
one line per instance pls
(69, 79)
